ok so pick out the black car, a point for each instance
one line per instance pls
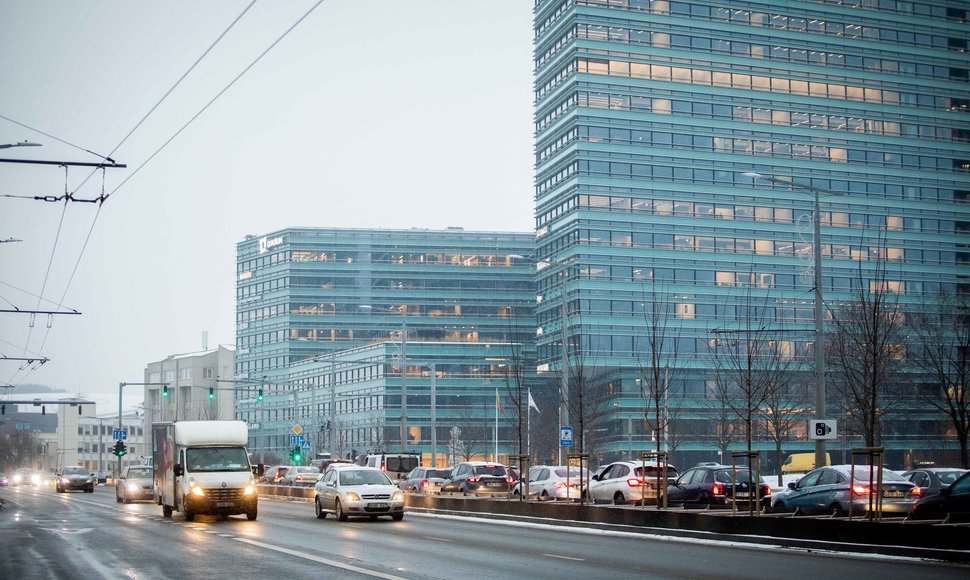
(952, 502)
(74, 477)
(931, 480)
(478, 478)
(717, 485)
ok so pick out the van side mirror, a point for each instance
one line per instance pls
(178, 470)
(259, 470)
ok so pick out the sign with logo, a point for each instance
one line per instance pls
(822, 429)
(266, 244)
(297, 440)
(565, 436)
(120, 434)
(305, 445)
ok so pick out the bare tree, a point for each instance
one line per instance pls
(725, 429)
(654, 363)
(866, 350)
(783, 410)
(941, 332)
(515, 388)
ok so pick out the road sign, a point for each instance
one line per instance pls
(121, 434)
(297, 439)
(296, 429)
(822, 429)
(565, 436)
(305, 445)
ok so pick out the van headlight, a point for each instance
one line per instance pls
(250, 489)
(195, 489)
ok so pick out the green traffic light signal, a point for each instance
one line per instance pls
(259, 395)
(165, 391)
(212, 393)
(122, 448)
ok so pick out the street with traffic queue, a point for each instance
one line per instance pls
(78, 535)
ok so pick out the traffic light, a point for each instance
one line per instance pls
(3, 409)
(122, 448)
(212, 393)
(259, 395)
(296, 455)
(43, 410)
(116, 448)
(165, 391)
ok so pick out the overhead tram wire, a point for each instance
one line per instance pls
(215, 98)
(189, 122)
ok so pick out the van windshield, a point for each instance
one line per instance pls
(217, 459)
(400, 463)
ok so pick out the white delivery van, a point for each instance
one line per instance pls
(202, 467)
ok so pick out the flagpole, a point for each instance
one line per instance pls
(528, 426)
(496, 426)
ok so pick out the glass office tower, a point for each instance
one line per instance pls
(651, 117)
(316, 293)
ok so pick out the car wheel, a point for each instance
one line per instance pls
(618, 499)
(397, 517)
(251, 515)
(779, 507)
(166, 511)
(118, 498)
(836, 510)
(544, 496)
(60, 490)
(339, 511)
(318, 509)
(89, 490)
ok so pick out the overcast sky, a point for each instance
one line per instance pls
(383, 114)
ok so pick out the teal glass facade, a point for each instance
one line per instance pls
(306, 294)
(649, 113)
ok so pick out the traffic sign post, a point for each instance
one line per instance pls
(565, 436)
(120, 434)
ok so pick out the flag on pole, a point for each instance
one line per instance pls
(532, 402)
(498, 402)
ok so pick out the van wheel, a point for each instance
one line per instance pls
(339, 511)
(187, 511)
(318, 509)
(166, 511)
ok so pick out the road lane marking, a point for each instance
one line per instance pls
(565, 557)
(320, 560)
(438, 539)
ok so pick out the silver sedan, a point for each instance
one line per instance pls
(357, 492)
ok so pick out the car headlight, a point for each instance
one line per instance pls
(351, 496)
(16, 479)
(65, 480)
(398, 496)
(35, 479)
(132, 487)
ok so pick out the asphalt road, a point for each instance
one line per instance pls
(78, 535)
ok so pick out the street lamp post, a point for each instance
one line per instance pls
(820, 412)
(21, 144)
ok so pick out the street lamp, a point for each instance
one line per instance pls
(819, 304)
(21, 144)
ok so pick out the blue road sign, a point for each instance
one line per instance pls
(297, 439)
(121, 434)
(305, 445)
(565, 436)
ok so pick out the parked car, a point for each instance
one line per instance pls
(931, 480)
(74, 477)
(300, 475)
(952, 501)
(832, 489)
(357, 492)
(714, 484)
(626, 482)
(322, 464)
(135, 483)
(478, 478)
(424, 480)
(549, 482)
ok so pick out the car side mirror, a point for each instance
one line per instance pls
(595, 478)
(178, 470)
(791, 485)
(945, 491)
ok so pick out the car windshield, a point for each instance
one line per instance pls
(406, 463)
(739, 475)
(490, 470)
(75, 471)
(656, 470)
(217, 459)
(440, 473)
(359, 477)
(948, 477)
(574, 472)
(140, 472)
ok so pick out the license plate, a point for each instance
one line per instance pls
(892, 493)
(494, 484)
(220, 504)
(377, 506)
(742, 495)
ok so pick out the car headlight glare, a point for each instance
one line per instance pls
(351, 496)
(65, 480)
(398, 496)
(132, 487)
(250, 489)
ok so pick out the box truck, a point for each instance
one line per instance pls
(202, 468)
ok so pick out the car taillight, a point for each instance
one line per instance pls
(508, 479)
(633, 482)
(383, 468)
(424, 484)
(297, 477)
(860, 490)
(916, 491)
(474, 478)
(717, 489)
(562, 484)
(765, 490)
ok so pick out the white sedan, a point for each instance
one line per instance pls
(626, 482)
(357, 492)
